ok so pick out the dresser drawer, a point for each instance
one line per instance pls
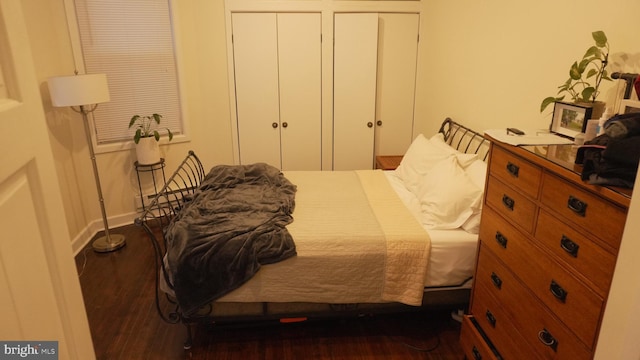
(473, 343)
(597, 216)
(499, 328)
(586, 257)
(542, 331)
(570, 299)
(515, 171)
(514, 206)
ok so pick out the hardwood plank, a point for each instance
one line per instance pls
(118, 290)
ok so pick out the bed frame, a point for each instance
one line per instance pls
(184, 182)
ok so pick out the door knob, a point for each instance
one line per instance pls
(285, 124)
(370, 124)
(379, 123)
(274, 125)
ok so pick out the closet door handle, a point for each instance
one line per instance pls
(379, 122)
(370, 124)
(569, 246)
(501, 239)
(546, 338)
(577, 206)
(285, 124)
(513, 169)
(508, 202)
(274, 125)
(558, 291)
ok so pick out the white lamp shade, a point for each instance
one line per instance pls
(78, 90)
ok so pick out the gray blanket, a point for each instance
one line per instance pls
(232, 225)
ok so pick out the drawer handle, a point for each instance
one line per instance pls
(501, 239)
(495, 279)
(490, 318)
(508, 202)
(546, 338)
(569, 246)
(577, 206)
(513, 169)
(476, 353)
(558, 291)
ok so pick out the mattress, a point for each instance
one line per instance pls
(328, 269)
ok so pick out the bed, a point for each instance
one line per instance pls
(319, 243)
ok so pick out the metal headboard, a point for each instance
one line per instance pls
(464, 139)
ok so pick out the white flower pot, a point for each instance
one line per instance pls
(147, 151)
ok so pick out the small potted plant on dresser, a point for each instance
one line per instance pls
(592, 67)
(147, 137)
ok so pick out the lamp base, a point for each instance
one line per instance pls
(102, 244)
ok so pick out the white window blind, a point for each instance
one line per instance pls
(132, 42)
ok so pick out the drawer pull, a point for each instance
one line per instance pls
(577, 206)
(569, 246)
(476, 353)
(490, 318)
(495, 279)
(558, 291)
(508, 202)
(501, 239)
(546, 338)
(513, 169)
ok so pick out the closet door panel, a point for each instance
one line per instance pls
(255, 54)
(355, 61)
(397, 55)
(299, 50)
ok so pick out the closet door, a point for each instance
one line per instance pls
(355, 61)
(397, 60)
(255, 55)
(299, 59)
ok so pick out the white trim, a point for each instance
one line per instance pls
(85, 235)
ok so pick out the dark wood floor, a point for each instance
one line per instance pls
(118, 291)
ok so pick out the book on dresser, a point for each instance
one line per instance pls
(547, 249)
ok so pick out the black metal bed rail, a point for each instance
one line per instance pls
(179, 187)
(464, 139)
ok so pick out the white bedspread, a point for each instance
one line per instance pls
(356, 242)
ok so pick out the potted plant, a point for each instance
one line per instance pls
(592, 67)
(147, 137)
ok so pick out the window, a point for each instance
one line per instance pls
(131, 42)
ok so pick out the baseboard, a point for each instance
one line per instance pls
(95, 226)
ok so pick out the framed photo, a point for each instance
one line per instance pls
(629, 106)
(569, 119)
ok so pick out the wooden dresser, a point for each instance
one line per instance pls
(547, 252)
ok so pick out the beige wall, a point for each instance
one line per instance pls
(487, 64)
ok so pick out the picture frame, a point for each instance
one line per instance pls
(629, 106)
(569, 119)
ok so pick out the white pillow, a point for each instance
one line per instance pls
(464, 159)
(418, 160)
(477, 173)
(447, 195)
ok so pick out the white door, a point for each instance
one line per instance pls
(354, 93)
(255, 56)
(300, 75)
(397, 61)
(40, 297)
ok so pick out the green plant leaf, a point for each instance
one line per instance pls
(575, 72)
(591, 73)
(549, 100)
(157, 118)
(593, 52)
(600, 38)
(134, 118)
(587, 93)
(137, 136)
(156, 135)
(170, 134)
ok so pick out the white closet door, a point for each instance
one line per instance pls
(355, 58)
(397, 55)
(255, 56)
(299, 56)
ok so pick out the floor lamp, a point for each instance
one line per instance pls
(83, 93)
